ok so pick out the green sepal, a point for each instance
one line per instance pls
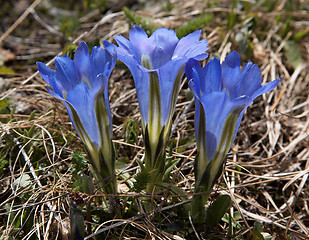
(108, 174)
(201, 159)
(152, 156)
(104, 127)
(154, 108)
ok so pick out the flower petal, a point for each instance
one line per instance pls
(139, 42)
(190, 47)
(66, 76)
(141, 81)
(218, 106)
(250, 80)
(125, 47)
(163, 42)
(170, 76)
(193, 71)
(231, 73)
(83, 103)
(83, 64)
(213, 77)
(186, 43)
(49, 76)
(267, 87)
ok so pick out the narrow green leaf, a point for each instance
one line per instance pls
(140, 164)
(217, 210)
(30, 132)
(293, 53)
(32, 115)
(300, 34)
(4, 103)
(170, 166)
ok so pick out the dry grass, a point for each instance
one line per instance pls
(266, 170)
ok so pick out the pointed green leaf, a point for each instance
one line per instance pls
(140, 164)
(32, 115)
(30, 132)
(170, 166)
(5, 102)
(293, 53)
(217, 210)
(257, 231)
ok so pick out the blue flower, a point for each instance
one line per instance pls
(222, 94)
(161, 58)
(157, 64)
(82, 85)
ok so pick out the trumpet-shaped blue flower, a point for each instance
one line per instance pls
(222, 94)
(82, 85)
(157, 64)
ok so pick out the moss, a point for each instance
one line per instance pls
(135, 19)
(194, 24)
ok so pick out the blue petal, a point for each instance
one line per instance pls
(218, 106)
(99, 59)
(141, 80)
(265, 88)
(139, 42)
(197, 50)
(196, 75)
(83, 64)
(49, 76)
(231, 73)
(250, 80)
(83, 103)
(163, 43)
(212, 78)
(193, 71)
(66, 77)
(111, 49)
(185, 44)
(167, 76)
(232, 60)
(103, 64)
(207, 79)
(125, 47)
(46, 72)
